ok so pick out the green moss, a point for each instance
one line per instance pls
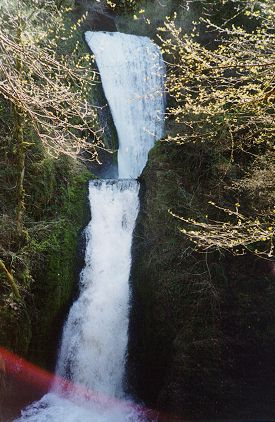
(15, 326)
(55, 270)
(45, 267)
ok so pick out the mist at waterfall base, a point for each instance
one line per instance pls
(95, 336)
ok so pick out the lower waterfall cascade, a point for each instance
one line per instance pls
(91, 364)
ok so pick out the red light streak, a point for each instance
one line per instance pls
(42, 380)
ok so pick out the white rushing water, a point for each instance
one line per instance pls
(95, 335)
(94, 342)
(135, 64)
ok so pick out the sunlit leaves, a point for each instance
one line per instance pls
(48, 82)
(224, 96)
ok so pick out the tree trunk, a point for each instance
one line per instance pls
(20, 146)
(10, 280)
(21, 154)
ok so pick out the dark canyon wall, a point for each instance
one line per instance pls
(202, 331)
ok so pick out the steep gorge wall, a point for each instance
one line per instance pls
(202, 326)
(31, 327)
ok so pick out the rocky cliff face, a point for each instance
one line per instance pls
(99, 15)
(202, 326)
(47, 268)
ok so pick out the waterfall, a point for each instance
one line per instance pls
(91, 363)
(95, 335)
(132, 72)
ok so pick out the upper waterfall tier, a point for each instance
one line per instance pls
(132, 73)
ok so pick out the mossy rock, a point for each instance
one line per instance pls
(57, 269)
(202, 325)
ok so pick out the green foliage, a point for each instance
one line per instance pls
(223, 96)
(123, 5)
(53, 248)
(56, 67)
(44, 266)
(47, 77)
(146, 16)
